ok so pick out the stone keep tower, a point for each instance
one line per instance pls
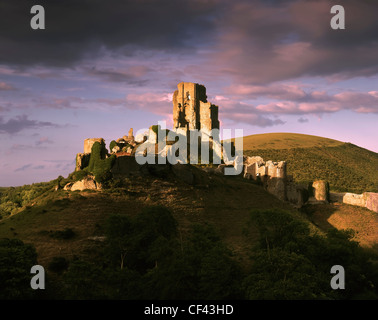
(191, 110)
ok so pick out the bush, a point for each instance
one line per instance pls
(16, 259)
(112, 145)
(98, 166)
(79, 175)
(58, 265)
(65, 234)
(291, 263)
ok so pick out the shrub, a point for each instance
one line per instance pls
(58, 264)
(98, 166)
(79, 175)
(293, 263)
(102, 169)
(65, 234)
(112, 145)
(16, 259)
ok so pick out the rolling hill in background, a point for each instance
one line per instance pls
(347, 167)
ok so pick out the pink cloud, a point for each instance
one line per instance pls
(239, 112)
(157, 103)
(5, 86)
(276, 91)
(43, 140)
(149, 97)
(319, 102)
(278, 107)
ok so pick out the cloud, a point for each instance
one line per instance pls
(157, 103)
(29, 166)
(298, 99)
(302, 120)
(319, 102)
(131, 75)
(20, 123)
(274, 91)
(23, 168)
(259, 43)
(6, 87)
(43, 140)
(254, 119)
(255, 42)
(246, 113)
(78, 30)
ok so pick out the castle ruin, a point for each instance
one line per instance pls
(191, 110)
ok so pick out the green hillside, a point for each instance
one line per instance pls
(280, 140)
(156, 238)
(345, 166)
(152, 236)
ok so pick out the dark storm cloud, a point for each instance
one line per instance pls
(20, 123)
(261, 43)
(77, 29)
(253, 41)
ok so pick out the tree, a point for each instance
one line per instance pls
(16, 260)
(112, 144)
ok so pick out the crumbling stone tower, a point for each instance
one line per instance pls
(191, 110)
(88, 143)
(82, 159)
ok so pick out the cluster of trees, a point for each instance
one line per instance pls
(346, 167)
(149, 257)
(16, 260)
(14, 198)
(291, 263)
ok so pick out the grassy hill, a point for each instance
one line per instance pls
(345, 166)
(222, 202)
(155, 237)
(286, 141)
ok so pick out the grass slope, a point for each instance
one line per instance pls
(223, 202)
(280, 140)
(345, 166)
(362, 221)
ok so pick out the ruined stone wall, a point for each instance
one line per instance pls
(355, 199)
(372, 201)
(367, 200)
(271, 174)
(88, 143)
(321, 190)
(82, 161)
(208, 117)
(296, 194)
(191, 109)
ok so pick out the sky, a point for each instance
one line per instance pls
(101, 67)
